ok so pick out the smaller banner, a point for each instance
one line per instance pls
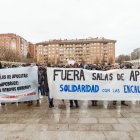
(71, 62)
(82, 84)
(19, 84)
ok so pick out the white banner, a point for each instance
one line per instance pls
(82, 84)
(18, 84)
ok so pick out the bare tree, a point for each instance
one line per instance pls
(110, 60)
(8, 54)
(2, 52)
(28, 55)
(103, 60)
(53, 62)
(122, 58)
(135, 54)
(58, 61)
(82, 61)
(97, 61)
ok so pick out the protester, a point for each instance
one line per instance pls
(0, 65)
(41, 79)
(122, 102)
(29, 102)
(1, 68)
(47, 89)
(98, 67)
(75, 101)
(94, 102)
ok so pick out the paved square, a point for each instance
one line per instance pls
(87, 122)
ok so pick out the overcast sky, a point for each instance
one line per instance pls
(40, 20)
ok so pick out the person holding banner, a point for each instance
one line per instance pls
(122, 102)
(75, 101)
(41, 81)
(47, 88)
(0, 65)
(1, 68)
(94, 102)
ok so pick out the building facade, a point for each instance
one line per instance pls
(15, 43)
(85, 51)
(32, 50)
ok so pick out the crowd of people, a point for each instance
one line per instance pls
(43, 87)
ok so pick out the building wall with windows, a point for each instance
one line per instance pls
(85, 51)
(32, 50)
(14, 42)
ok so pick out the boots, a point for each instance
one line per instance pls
(71, 103)
(51, 104)
(76, 103)
(38, 103)
(94, 103)
(123, 103)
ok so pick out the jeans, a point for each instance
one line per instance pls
(41, 89)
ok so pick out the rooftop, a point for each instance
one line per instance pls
(77, 41)
(8, 35)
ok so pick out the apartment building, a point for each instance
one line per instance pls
(85, 51)
(32, 50)
(14, 42)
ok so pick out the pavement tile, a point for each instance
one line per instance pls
(135, 135)
(127, 120)
(107, 120)
(68, 120)
(131, 115)
(101, 127)
(57, 127)
(79, 127)
(114, 135)
(123, 127)
(137, 126)
(69, 135)
(87, 120)
(138, 120)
